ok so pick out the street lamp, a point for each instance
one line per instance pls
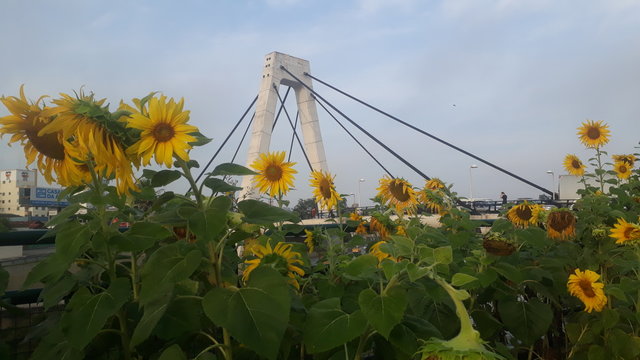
(553, 184)
(354, 199)
(360, 192)
(474, 166)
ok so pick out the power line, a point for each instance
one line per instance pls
(294, 130)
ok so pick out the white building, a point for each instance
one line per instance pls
(21, 196)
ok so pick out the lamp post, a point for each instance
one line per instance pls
(553, 184)
(474, 166)
(360, 192)
(353, 203)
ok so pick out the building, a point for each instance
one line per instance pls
(20, 195)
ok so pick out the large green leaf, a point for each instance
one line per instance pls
(54, 292)
(173, 352)
(231, 169)
(166, 267)
(383, 311)
(86, 313)
(527, 321)
(256, 315)
(153, 312)
(141, 236)
(164, 177)
(182, 316)
(257, 212)
(206, 224)
(328, 326)
(220, 186)
(362, 267)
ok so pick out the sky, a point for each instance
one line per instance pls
(507, 80)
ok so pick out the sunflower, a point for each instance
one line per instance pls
(524, 214)
(561, 224)
(433, 199)
(622, 169)
(434, 184)
(381, 255)
(26, 121)
(89, 124)
(400, 230)
(397, 193)
(573, 165)
(376, 226)
(495, 243)
(361, 229)
(279, 257)
(630, 159)
(594, 134)
(165, 132)
(324, 190)
(275, 176)
(311, 240)
(625, 232)
(583, 285)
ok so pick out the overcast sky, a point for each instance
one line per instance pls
(507, 80)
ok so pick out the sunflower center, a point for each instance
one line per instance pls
(273, 172)
(163, 132)
(560, 221)
(576, 164)
(325, 188)
(586, 287)
(524, 212)
(632, 233)
(48, 144)
(398, 190)
(593, 133)
(622, 169)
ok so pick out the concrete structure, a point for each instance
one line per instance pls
(272, 77)
(20, 196)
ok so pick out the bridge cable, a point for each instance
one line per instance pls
(280, 110)
(432, 136)
(227, 139)
(352, 137)
(295, 125)
(246, 130)
(358, 126)
(292, 127)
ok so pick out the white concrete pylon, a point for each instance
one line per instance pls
(272, 77)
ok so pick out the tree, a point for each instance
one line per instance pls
(304, 208)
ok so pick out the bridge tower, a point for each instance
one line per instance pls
(272, 77)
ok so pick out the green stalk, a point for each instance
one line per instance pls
(600, 177)
(124, 335)
(187, 174)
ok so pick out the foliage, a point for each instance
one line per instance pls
(191, 279)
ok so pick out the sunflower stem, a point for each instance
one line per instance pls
(600, 173)
(186, 172)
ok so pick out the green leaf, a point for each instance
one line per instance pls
(86, 314)
(200, 139)
(443, 255)
(53, 293)
(509, 271)
(596, 352)
(527, 321)
(165, 267)
(173, 352)
(623, 345)
(404, 340)
(63, 215)
(403, 246)
(141, 236)
(460, 279)
(232, 169)
(486, 324)
(256, 315)
(207, 224)
(153, 312)
(182, 316)
(165, 177)
(49, 269)
(220, 186)
(416, 272)
(362, 267)
(328, 326)
(383, 311)
(257, 212)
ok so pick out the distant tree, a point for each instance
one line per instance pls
(304, 208)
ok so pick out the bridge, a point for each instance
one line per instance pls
(281, 70)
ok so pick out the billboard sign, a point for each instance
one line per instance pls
(47, 197)
(22, 178)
